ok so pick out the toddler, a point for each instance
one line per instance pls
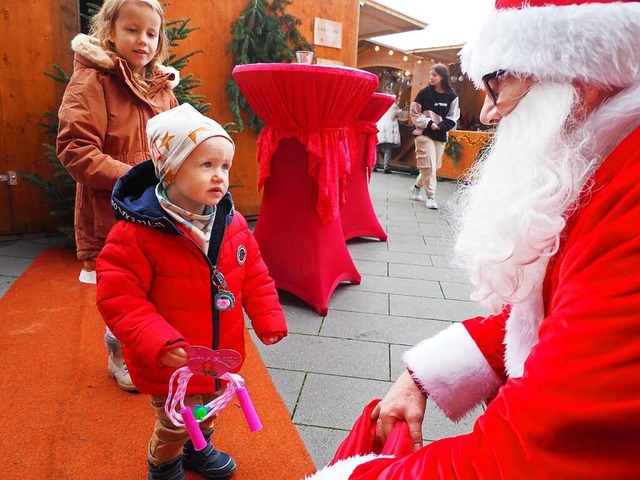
(177, 270)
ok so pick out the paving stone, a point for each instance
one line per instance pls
(397, 365)
(308, 353)
(321, 443)
(427, 273)
(289, 386)
(5, 284)
(343, 399)
(443, 261)
(408, 248)
(302, 319)
(350, 299)
(398, 257)
(367, 245)
(370, 267)
(400, 237)
(453, 310)
(21, 249)
(456, 291)
(14, 266)
(401, 286)
(380, 328)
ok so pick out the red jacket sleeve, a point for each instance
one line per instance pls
(488, 334)
(124, 277)
(260, 296)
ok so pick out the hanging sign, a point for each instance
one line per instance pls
(327, 33)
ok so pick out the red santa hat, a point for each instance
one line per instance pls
(597, 41)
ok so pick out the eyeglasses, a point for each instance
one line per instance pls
(490, 82)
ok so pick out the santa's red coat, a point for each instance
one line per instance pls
(575, 411)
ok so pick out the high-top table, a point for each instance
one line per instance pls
(357, 214)
(304, 160)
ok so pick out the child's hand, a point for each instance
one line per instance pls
(176, 357)
(271, 338)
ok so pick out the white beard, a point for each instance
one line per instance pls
(511, 216)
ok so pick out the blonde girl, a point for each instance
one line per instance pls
(118, 83)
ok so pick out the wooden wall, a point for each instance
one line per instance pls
(37, 33)
(214, 68)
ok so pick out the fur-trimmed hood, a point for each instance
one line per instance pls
(89, 48)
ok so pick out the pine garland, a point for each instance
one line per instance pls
(263, 33)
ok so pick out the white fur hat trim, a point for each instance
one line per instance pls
(597, 43)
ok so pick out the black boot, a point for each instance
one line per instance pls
(212, 464)
(166, 471)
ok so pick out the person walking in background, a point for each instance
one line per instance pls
(118, 83)
(434, 112)
(388, 134)
(177, 270)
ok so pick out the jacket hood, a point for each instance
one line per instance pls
(89, 48)
(134, 200)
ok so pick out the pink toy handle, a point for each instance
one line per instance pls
(249, 410)
(193, 429)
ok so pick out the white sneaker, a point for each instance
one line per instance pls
(87, 276)
(415, 193)
(431, 203)
(120, 373)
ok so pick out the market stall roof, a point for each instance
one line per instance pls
(377, 19)
(449, 24)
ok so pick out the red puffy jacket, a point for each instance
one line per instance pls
(155, 289)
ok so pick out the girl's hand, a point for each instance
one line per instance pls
(271, 338)
(176, 357)
(434, 126)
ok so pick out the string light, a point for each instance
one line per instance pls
(405, 58)
(390, 52)
(377, 48)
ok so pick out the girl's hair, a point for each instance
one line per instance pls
(442, 70)
(103, 23)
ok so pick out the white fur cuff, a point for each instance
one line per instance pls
(453, 371)
(343, 469)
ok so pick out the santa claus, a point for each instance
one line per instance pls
(549, 233)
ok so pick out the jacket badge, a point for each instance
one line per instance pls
(241, 254)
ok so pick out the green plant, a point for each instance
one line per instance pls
(453, 149)
(60, 189)
(263, 33)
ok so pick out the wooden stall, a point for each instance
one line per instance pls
(37, 33)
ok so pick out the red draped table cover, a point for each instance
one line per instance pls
(304, 160)
(357, 214)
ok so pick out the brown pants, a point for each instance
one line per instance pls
(167, 440)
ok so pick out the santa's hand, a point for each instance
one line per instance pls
(404, 401)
